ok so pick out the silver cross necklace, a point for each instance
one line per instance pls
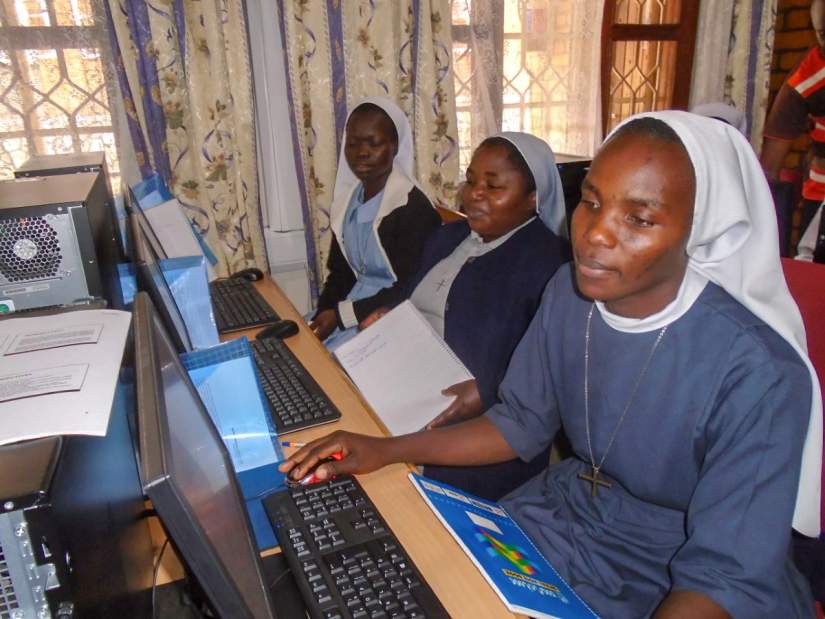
(593, 478)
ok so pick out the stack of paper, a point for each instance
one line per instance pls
(400, 365)
(58, 373)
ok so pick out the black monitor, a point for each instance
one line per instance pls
(572, 170)
(150, 279)
(188, 476)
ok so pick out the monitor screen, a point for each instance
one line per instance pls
(188, 476)
(151, 279)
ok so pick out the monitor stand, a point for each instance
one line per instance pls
(283, 590)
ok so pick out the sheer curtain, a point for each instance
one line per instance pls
(528, 66)
(733, 58)
(339, 52)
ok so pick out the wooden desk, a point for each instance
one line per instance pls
(451, 574)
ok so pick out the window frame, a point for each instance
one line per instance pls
(58, 38)
(683, 33)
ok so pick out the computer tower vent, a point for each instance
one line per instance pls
(8, 600)
(29, 249)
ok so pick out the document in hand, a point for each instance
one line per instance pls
(523, 579)
(400, 365)
(58, 373)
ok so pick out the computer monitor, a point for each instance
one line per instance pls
(188, 476)
(572, 170)
(151, 280)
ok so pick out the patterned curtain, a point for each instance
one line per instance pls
(749, 62)
(183, 69)
(338, 52)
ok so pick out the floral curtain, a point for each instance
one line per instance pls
(183, 69)
(741, 31)
(747, 83)
(338, 52)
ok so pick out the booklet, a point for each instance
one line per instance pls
(400, 365)
(523, 579)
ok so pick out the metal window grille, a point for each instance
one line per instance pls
(54, 92)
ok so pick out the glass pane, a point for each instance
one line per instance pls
(13, 153)
(641, 78)
(29, 13)
(84, 68)
(74, 12)
(54, 100)
(39, 68)
(463, 69)
(460, 10)
(648, 12)
(48, 116)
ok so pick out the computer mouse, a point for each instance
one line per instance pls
(279, 329)
(252, 274)
(311, 478)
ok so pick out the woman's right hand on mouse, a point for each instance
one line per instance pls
(324, 323)
(358, 454)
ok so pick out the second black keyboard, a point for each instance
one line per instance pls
(237, 305)
(346, 561)
(295, 399)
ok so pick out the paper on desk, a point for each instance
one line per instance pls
(174, 232)
(60, 391)
(225, 378)
(30, 383)
(400, 365)
(56, 337)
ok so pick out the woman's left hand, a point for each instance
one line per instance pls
(467, 404)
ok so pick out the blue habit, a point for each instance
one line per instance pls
(489, 307)
(704, 468)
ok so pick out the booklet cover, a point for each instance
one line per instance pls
(523, 579)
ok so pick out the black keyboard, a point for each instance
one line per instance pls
(346, 561)
(295, 399)
(238, 305)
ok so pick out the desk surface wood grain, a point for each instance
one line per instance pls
(454, 578)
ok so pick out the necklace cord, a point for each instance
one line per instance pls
(597, 468)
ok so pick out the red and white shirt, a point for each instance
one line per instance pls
(800, 108)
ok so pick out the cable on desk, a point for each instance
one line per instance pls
(155, 570)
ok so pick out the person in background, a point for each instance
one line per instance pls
(724, 112)
(379, 217)
(481, 280)
(673, 356)
(799, 108)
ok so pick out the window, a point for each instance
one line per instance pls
(646, 45)
(53, 86)
(527, 65)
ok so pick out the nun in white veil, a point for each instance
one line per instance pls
(672, 356)
(379, 219)
(696, 429)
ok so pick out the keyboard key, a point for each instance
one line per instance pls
(364, 574)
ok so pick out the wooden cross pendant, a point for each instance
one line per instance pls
(594, 480)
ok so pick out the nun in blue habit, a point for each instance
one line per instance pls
(481, 280)
(379, 218)
(673, 357)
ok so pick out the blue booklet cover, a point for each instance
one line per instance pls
(506, 557)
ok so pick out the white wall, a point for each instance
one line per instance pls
(280, 197)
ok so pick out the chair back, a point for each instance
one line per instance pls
(806, 281)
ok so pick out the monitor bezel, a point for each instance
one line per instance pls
(143, 263)
(181, 525)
